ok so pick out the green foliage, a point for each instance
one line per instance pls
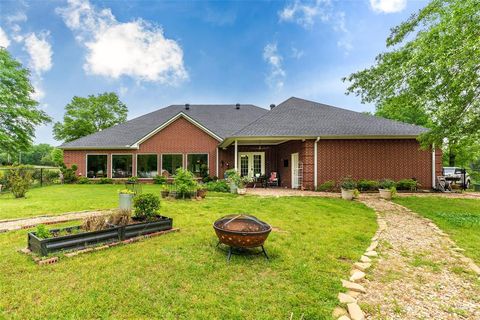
(233, 176)
(84, 116)
(430, 76)
(19, 180)
(367, 185)
(348, 183)
(42, 154)
(327, 186)
(217, 186)
(126, 191)
(185, 183)
(158, 179)
(19, 113)
(105, 181)
(69, 174)
(386, 184)
(42, 232)
(132, 180)
(407, 184)
(146, 205)
(83, 180)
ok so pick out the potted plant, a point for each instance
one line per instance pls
(201, 191)
(232, 178)
(387, 189)
(125, 198)
(164, 190)
(348, 186)
(242, 185)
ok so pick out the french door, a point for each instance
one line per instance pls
(295, 171)
(251, 163)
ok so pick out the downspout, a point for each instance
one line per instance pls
(315, 164)
(236, 155)
(216, 163)
(433, 167)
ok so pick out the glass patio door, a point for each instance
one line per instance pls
(252, 163)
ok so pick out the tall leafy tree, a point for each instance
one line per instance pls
(84, 116)
(431, 74)
(19, 112)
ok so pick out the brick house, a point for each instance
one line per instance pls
(305, 142)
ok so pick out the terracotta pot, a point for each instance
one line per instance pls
(202, 193)
(347, 194)
(385, 194)
(241, 191)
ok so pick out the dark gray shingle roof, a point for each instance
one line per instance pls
(223, 120)
(298, 117)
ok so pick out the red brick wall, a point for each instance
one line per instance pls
(375, 159)
(180, 136)
(284, 152)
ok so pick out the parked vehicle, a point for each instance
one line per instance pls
(454, 174)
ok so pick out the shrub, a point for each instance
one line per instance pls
(19, 180)
(94, 223)
(327, 186)
(132, 180)
(367, 185)
(146, 205)
(185, 183)
(42, 232)
(407, 184)
(233, 176)
(120, 217)
(83, 180)
(386, 184)
(69, 174)
(348, 183)
(217, 186)
(158, 179)
(105, 181)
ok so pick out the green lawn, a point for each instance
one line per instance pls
(460, 218)
(182, 275)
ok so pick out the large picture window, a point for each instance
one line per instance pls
(171, 162)
(121, 166)
(96, 166)
(146, 165)
(198, 164)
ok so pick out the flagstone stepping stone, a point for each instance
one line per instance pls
(362, 265)
(345, 298)
(353, 286)
(357, 275)
(355, 312)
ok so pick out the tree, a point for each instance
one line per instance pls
(85, 116)
(431, 75)
(19, 113)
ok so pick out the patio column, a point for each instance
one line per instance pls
(236, 155)
(315, 163)
(434, 179)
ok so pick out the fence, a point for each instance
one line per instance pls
(41, 176)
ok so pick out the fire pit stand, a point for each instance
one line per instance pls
(242, 232)
(243, 251)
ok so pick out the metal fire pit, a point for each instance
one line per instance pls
(240, 232)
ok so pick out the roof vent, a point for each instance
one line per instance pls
(187, 106)
(272, 106)
(237, 106)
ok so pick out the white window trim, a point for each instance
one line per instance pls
(111, 163)
(250, 155)
(94, 154)
(136, 163)
(171, 153)
(193, 153)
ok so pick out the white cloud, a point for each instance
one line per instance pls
(4, 41)
(306, 14)
(137, 49)
(275, 78)
(40, 52)
(388, 6)
(296, 53)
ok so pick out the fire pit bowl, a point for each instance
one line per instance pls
(241, 231)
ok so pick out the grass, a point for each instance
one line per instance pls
(460, 218)
(183, 275)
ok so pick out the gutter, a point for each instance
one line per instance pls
(315, 163)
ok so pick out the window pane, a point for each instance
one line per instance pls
(97, 166)
(257, 164)
(171, 162)
(146, 165)
(198, 164)
(244, 165)
(122, 166)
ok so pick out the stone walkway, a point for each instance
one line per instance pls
(420, 273)
(10, 225)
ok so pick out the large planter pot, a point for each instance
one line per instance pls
(347, 194)
(385, 194)
(242, 191)
(125, 201)
(233, 188)
(81, 240)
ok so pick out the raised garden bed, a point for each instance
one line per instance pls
(74, 238)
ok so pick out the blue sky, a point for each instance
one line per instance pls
(157, 53)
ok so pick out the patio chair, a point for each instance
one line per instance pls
(443, 185)
(273, 180)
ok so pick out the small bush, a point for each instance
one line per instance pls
(94, 223)
(348, 183)
(70, 174)
(42, 232)
(146, 205)
(407, 184)
(185, 183)
(158, 179)
(83, 180)
(105, 181)
(19, 180)
(120, 217)
(132, 180)
(217, 186)
(386, 184)
(367, 185)
(328, 186)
